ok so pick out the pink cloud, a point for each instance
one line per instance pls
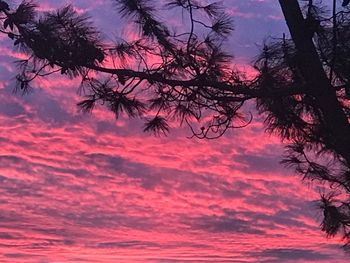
(88, 188)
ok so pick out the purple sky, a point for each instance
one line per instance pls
(76, 187)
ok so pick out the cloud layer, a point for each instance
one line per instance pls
(87, 188)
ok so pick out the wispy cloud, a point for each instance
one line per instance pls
(88, 188)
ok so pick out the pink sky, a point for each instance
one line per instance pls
(76, 187)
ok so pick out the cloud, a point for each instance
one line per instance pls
(292, 255)
(89, 188)
(226, 224)
(258, 163)
(11, 109)
(19, 255)
(128, 244)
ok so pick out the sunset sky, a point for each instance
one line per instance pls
(78, 187)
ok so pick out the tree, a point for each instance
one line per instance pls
(317, 120)
(302, 85)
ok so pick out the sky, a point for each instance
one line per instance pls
(78, 187)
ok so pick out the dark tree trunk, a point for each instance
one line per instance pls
(319, 86)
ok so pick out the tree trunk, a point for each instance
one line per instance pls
(318, 84)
